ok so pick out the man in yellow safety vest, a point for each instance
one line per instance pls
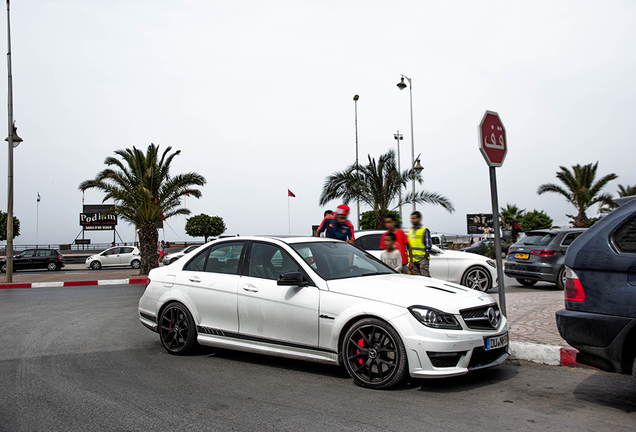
(421, 244)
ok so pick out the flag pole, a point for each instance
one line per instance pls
(288, 213)
(37, 220)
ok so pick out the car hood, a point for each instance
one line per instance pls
(405, 290)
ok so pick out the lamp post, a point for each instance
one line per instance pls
(398, 137)
(14, 140)
(402, 85)
(355, 102)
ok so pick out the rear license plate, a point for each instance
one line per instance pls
(522, 255)
(496, 341)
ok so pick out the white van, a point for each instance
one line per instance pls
(439, 240)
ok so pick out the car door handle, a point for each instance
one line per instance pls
(194, 279)
(250, 288)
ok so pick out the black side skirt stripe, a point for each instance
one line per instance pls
(217, 332)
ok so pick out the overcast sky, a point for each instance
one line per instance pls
(258, 96)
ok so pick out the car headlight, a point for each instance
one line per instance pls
(434, 318)
(491, 263)
(89, 258)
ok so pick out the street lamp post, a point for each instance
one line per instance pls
(355, 102)
(398, 137)
(402, 85)
(14, 140)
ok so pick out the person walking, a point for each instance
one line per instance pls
(338, 227)
(420, 239)
(391, 256)
(401, 242)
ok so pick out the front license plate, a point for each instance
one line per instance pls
(522, 256)
(496, 341)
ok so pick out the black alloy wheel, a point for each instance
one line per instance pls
(560, 282)
(177, 330)
(526, 282)
(477, 278)
(374, 354)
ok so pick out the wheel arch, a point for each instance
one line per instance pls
(351, 321)
(483, 267)
(628, 350)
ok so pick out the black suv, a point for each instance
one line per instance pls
(540, 256)
(50, 259)
(599, 318)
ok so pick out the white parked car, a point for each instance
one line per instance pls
(118, 256)
(471, 270)
(170, 258)
(326, 301)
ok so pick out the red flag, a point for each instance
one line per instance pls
(290, 194)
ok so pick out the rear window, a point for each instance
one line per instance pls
(535, 239)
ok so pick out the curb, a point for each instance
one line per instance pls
(141, 280)
(546, 354)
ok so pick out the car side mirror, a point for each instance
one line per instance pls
(292, 279)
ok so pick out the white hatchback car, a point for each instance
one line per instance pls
(170, 258)
(117, 256)
(322, 300)
(471, 270)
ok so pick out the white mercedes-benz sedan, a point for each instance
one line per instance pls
(322, 300)
(471, 270)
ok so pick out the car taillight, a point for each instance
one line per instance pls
(543, 253)
(147, 282)
(574, 290)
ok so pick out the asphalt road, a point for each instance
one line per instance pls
(77, 359)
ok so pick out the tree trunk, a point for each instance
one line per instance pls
(148, 237)
(581, 221)
(379, 219)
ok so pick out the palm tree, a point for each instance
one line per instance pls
(377, 184)
(145, 193)
(623, 191)
(580, 190)
(510, 214)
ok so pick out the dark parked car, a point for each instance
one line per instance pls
(540, 256)
(599, 318)
(481, 247)
(50, 259)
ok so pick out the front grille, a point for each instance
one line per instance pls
(481, 357)
(445, 359)
(477, 318)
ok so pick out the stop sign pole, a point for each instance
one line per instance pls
(493, 146)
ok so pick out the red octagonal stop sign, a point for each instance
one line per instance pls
(492, 139)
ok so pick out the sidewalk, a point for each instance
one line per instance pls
(531, 320)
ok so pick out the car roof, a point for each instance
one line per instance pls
(555, 230)
(281, 238)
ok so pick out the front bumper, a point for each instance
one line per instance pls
(446, 353)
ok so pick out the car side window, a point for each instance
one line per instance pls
(111, 252)
(625, 236)
(125, 250)
(198, 262)
(224, 258)
(369, 242)
(569, 238)
(269, 261)
(41, 253)
(27, 254)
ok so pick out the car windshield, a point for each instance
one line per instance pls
(535, 239)
(339, 260)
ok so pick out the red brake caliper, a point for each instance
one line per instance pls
(360, 343)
